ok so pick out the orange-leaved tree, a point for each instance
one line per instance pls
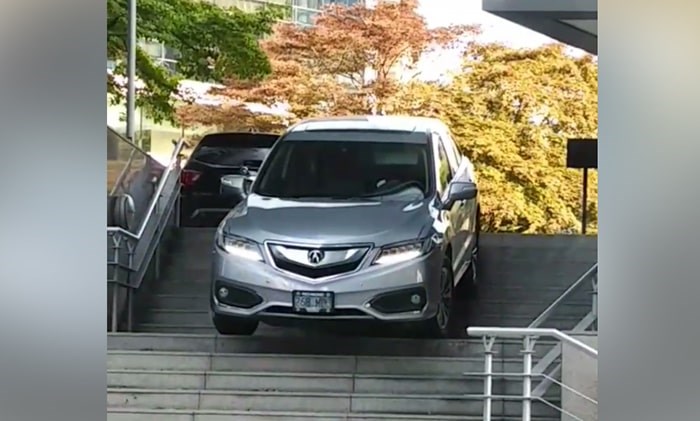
(353, 60)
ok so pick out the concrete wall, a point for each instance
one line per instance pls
(580, 372)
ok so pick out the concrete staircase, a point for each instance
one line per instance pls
(177, 368)
(203, 377)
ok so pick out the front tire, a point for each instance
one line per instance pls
(230, 325)
(439, 325)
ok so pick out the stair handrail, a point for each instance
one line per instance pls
(546, 314)
(141, 246)
(528, 335)
(173, 165)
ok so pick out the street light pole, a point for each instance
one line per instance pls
(131, 72)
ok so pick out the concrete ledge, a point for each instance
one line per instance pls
(313, 345)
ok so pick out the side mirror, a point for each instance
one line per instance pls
(236, 185)
(459, 191)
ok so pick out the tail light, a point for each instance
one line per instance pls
(189, 177)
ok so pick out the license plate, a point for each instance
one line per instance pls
(313, 302)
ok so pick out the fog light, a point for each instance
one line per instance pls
(223, 292)
(415, 299)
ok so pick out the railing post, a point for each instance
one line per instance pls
(156, 262)
(528, 350)
(130, 308)
(488, 377)
(115, 302)
(594, 301)
(177, 211)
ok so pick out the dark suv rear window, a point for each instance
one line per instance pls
(234, 149)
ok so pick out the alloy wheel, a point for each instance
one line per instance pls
(443, 313)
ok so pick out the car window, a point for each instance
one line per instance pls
(230, 156)
(346, 170)
(234, 149)
(444, 169)
(453, 153)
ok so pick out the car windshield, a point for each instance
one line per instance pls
(341, 169)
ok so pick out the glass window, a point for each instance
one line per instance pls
(346, 170)
(453, 153)
(233, 150)
(444, 169)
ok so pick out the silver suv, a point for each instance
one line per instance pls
(357, 218)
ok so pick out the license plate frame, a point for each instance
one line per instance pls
(313, 302)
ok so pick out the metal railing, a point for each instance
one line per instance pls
(131, 253)
(547, 368)
(529, 337)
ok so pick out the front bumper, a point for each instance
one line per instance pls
(369, 293)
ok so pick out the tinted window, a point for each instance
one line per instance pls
(444, 172)
(346, 169)
(235, 149)
(452, 151)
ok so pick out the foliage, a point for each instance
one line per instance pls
(512, 112)
(349, 62)
(214, 44)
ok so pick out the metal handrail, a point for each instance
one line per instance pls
(521, 332)
(154, 201)
(539, 320)
(142, 246)
(581, 326)
(489, 335)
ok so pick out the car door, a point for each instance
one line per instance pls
(464, 172)
(453, 216)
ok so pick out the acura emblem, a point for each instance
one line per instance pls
(315, 256)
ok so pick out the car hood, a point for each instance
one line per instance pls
(327, 222)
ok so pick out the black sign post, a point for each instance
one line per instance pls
(583, 154)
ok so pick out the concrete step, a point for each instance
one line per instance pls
(279, 363)
(318, 344)
(197, 286)
(358, 403)
(311, 382)
(200, 272)
(136, 414)
(177, 317)
(180, 301)
(176, 329)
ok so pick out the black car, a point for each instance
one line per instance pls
(205, 197)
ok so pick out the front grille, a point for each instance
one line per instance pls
(315, 272)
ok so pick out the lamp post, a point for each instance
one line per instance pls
(131, 72)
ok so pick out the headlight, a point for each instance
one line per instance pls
(404, 252)
(239, 247)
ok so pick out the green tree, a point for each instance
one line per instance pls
(214, 44)
(512, 112)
